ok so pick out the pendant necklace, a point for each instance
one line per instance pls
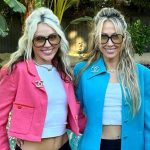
(43, 66)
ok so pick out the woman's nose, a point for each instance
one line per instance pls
(47, 44)
(110, 42)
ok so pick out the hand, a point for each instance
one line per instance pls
(19, 142)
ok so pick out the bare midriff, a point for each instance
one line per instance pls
(53, 143)
(111, 132)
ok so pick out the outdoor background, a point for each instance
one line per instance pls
(76, 19)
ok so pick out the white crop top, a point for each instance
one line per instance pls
(56, 117)
(112, 105)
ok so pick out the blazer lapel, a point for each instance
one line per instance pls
(36, 78)
(96, 68)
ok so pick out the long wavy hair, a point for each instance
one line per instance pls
(24, 52)
(126, 68)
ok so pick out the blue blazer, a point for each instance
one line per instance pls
(91, 89)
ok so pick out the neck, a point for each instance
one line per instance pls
(111, 66)
(48, 68)
(42, 62)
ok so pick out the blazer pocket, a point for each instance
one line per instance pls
(21, 118)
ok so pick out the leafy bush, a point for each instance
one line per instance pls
(140, 34)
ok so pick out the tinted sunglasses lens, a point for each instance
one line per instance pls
(54, 39)
(117, 39)
(39, 41)
(104, 39)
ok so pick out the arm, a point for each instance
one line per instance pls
(7, 95)
(147, 108)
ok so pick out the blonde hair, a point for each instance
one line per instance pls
(25, 52)
(126, 69)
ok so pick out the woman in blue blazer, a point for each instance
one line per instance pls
(113, 90)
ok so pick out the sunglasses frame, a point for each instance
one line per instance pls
(46, 39)
(110, 37)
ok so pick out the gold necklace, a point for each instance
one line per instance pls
(111, 70)
(47, 68)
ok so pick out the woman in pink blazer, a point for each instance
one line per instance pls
(36, 87)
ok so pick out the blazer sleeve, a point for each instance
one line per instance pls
(79, 95)
(147, 107)
(7, 95)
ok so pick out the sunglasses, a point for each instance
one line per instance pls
(115, 38)
(39, 41)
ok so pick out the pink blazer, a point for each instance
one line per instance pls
(23, 93)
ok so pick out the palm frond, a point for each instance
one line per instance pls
(16, 6)
(82, 19)
(3, 27)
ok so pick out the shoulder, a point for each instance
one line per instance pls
(19, 68)
(96, 66)
(79, 66)
(14, 69)
(144, 75)
(142, 69)
(20, 65)
(4, 72)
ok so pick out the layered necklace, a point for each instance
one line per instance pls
(48, 67)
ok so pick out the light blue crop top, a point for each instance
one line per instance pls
(56, 117)
(112, 105)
